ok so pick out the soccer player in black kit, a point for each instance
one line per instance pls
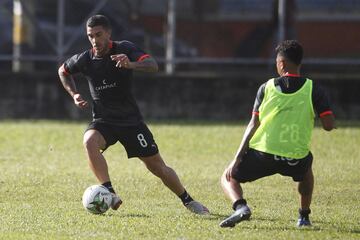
(108, 67)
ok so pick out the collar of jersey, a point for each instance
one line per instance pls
(291, 75)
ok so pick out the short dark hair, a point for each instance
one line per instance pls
(98, 20)
(291, 50)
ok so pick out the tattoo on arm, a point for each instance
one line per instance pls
(67, 82)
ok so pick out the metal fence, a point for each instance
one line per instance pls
(196, 32)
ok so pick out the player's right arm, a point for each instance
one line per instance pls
(69, 85)
(73, 65)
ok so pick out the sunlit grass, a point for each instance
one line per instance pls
(44, 173)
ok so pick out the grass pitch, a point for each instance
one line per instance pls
(44, 173)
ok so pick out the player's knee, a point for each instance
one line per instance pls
(154, 170)
(90, 142)
(155, 165)
(93, 140)
(160, 170)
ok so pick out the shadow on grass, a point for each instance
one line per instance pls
(276, 224)
(130, 215)
(216, 216)
(266, 224)
(330, 225)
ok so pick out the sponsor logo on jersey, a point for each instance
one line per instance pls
(105, 85)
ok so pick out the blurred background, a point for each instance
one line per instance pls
(213, 54)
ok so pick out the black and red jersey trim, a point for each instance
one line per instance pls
(326, 113)
(65, 72)
(143, 57)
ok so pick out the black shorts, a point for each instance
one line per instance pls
(256, 164)
(137, 140)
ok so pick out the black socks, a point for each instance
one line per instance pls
(108, 186)
(185, 198)
(304, 213)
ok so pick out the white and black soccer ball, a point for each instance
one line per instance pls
(97, 199)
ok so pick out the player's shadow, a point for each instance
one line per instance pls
(216, 216)
(331, 225)
(285, 226)
(130, 215)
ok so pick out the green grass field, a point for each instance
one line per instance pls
(44, 173)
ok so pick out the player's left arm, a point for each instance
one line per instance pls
(130, 56)
(146, 64)
(323, 108)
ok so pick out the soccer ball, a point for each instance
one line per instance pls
(97, 199)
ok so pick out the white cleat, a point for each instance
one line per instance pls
(116, 201)
(242, 213)
(197, 208)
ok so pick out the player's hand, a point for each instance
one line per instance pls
(79, 101)
(122, 61)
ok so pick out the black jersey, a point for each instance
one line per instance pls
(110, 86)
(290, 84)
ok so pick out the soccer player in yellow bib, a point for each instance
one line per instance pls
(277, 138)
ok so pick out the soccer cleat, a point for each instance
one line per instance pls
(197, 208)
(116, 201)
(242, 213)
(304, 220)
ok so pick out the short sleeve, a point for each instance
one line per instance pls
(133, 52)
(259, 98)
(320, 99)
(75, 64)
